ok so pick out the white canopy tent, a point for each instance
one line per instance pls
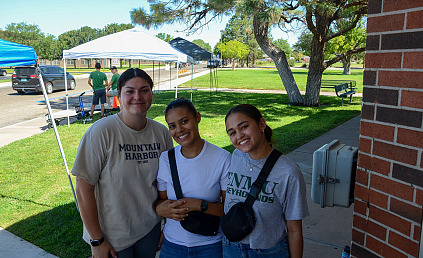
(129, 44)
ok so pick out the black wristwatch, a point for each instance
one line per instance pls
(204, 205)
(96, 242)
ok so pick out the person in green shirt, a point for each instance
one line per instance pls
(98, 81)
(112, 91)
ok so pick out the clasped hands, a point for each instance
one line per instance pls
(178, 210)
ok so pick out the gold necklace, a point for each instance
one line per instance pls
(250, 165)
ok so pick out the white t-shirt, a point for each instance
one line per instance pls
(202, 177)
(122, 163)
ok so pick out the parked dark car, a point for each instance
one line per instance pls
(3, 72)
(24, 79)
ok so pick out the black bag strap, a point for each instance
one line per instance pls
(261, 179)
(174, 172)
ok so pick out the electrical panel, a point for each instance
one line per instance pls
(333, 175)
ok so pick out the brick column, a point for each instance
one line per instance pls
(388, 192)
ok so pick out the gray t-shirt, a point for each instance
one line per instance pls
(283, 197)
(123, 163)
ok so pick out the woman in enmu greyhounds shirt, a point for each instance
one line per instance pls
(280, 206)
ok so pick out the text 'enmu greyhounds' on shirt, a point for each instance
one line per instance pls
(240, 185)
(140, 152)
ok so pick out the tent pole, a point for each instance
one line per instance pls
(66, 89)
(43, 87)
(153, 72)
(177, 72)
(192, 76)
(159, 78)
(170, 77)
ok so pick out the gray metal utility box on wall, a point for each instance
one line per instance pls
(333, 175)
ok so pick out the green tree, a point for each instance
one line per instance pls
(23, 33)
(283, 45)
(202, 44)
(240, 28)
(115, 27)
(48, 48)
(318, 15)
(233, 50)
(353, 40)
(303, 43)
(77, 37)
(164, 36)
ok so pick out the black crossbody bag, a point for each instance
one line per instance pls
(240, 220)
(196, 222)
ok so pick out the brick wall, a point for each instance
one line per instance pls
(389, 185)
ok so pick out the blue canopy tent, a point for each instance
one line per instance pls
(14, 54)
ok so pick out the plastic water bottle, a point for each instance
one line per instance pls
(346, 252)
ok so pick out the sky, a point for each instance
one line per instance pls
(58, 16)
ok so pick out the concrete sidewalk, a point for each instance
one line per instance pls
(326, 231)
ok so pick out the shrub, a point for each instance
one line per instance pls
(304, 65)
(291, 62)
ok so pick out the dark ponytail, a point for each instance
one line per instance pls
(252, 112)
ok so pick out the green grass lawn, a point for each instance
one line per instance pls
(269, 79)
(36, 202)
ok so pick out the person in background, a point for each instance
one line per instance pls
(116, 168)
(98, 81)
(202, 169)
(281, 204)
(112, 85)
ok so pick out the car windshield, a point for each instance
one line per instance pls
(25, 71)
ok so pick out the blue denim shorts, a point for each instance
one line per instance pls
(236, 249)
(171, 250)
(99, 96)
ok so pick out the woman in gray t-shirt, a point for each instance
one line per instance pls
(281, 204)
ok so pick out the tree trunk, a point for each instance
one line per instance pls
(317, 58)
(315, 72)
(346, 63)
(74, 63)
(233, 64)
(278, 56)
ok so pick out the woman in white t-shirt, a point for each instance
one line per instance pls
(202, 169)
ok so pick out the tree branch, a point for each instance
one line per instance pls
(341, 56)
(345, 30)
(310, 24)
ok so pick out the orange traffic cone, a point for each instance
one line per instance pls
(115, 102)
